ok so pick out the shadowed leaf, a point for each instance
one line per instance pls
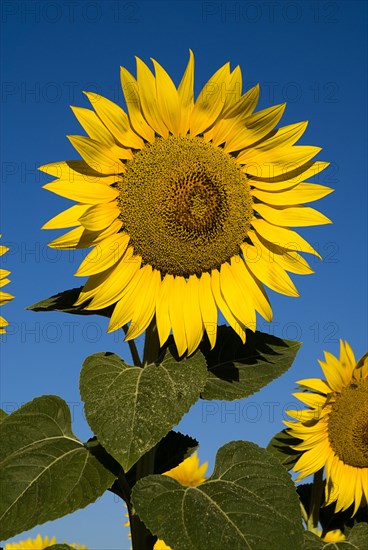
(238, 370)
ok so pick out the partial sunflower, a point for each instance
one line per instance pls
(334, 429)
(5, 297)
(39, 543)
(187, 204)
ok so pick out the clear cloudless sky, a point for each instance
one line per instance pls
(311, 54)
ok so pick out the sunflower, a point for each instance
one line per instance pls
(39, 543)
(4, 296)
(334, 428)
(187, 204)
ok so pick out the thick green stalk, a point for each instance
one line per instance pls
(142, 539)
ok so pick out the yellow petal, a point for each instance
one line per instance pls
(132, 100)
(295, 216)
(98, 156)
(278, 162)
(244, 107)
(186, 95)
(301, 193)
(81, 191)
(124, 308)
(252, 287)
(5, 297)
(67, 218)
(253, 129)
(75, 171)
(82, 238)
(233, 119)
(287, 259)
(291, 178)
(209, 103)
(107, 288)
(283, 137)
(283, 237)
(176, 313)
(271, 274)
(208, 307)
(4, 272)
(315, 384)
(235, 323)
(93, 126)
(192, 314)
(240, 304)
(167, 99)
(162, 309)
(148, 96)
(107, 253)
(100, 216)
(145, 302)
(115, 120)
(233, 90)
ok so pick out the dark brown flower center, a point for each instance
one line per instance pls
(185, 204)
(348, 424)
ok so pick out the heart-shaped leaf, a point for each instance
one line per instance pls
(64, 302)
(130, 409)
(45, 471)
(238, 370)
(249, 502)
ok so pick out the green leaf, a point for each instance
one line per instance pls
(64, 302)
(45, 471)
(249, 502)
(238, 370)
(3, 415)
(279, 446)
(357, 540)
(130, 409)
(312, 541)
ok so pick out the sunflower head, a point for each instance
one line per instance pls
(334, 428)
(187, 203)
(5, 297)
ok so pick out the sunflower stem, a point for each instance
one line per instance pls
(133, 350)
(315, 504)
(142, 538)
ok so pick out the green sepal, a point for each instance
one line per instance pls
(64, 302)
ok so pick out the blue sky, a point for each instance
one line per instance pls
(310, 54)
